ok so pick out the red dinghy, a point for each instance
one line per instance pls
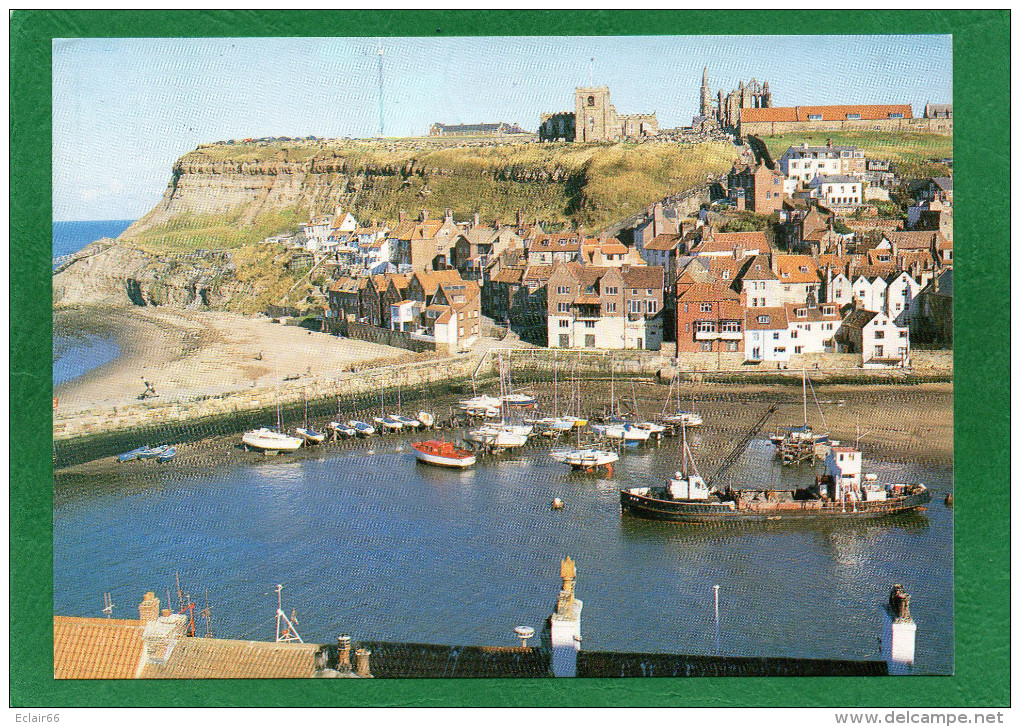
(443, 454)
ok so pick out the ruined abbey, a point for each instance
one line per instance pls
(594, 118)
(724, 111)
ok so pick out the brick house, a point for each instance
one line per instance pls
(345, 298)
(475, 249)
(756, 189)
(600, 307)
(425, 244)
(709, 316)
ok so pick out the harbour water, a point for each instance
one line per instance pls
(369, 542)
(76, 350)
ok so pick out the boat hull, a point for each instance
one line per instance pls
(461, 460)
(689, 511)
(269, 441)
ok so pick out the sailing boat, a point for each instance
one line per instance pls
(340, 429)
(308, 432)
(680, 418)
(406, 421)
(271, 440)
(387, 423)
(425, 416)
(803, 434)
(651, 427)
(502, 434)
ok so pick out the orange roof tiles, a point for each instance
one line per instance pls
(96, 648)
(868, 112)
(201, 658)
(663, 242)
(776, 318)
(796, 269)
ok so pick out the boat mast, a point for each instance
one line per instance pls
(612, 384)
(556, 386)
(804, 385)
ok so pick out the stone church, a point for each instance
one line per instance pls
(724, 110)
(595, 119)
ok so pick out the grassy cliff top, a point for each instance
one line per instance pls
(914, 153)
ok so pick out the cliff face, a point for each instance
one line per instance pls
(223, 196)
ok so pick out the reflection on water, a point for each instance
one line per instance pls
(383, 547)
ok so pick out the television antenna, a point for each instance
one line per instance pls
(289, 632)
(108, 605)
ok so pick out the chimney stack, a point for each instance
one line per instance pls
(361, 661)
(148, 609)
(402, 216)
(449, 215)
(520, 218)
(565, 624)
(475, 219)
(424, 215)
(343, 643)
(898, 632)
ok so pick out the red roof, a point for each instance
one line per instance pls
(96, 648)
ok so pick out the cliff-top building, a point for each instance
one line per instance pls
(725, 110)
(595, 119)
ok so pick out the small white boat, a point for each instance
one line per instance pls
(426, 418)
(342, 430)
(310, 436)
(519, 399)
(389, 423)
(651, 427)
(270, 440)
(502, 436)
(481, 401)
(362, 429)
(407, 421)
(626, 432)
(683, 418)
(585, 458)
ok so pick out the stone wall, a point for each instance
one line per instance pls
(386, 337)
(770, 128)
(141, 415)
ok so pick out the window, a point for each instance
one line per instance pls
(648, 291)
(801, 312)
(610, 307)
(705, 307)
(591, 100)
(635, 306)
(896, 115)
(879, 334)
(731, 346)
(730, 326)
(853, 117)
(685, 307)
(706, 345)
(564, 324)
(798, 349)
(780, 349)
(793, 333)
(763, 319)
(589, 324)
(612, 291)
(653, 306)
(563, 307)
(878, 352)
(903, 334)
(775, 336)
(903, 352)
(828, 310)
(564, 340)
(563, 289)
(814, 117)
(704, 326)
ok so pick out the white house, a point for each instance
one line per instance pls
(901, 297)
(877, 337)
(869, 292)
(767, 334)
(838, 191)
(812, 328)
(314, 235)
(803, 163)
(761, 284)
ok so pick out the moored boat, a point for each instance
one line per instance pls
(340, 429)
(426, 419)
(407, 421)
(132, 455)
(270, 440)
(586, 458)
(363, 429)
(841, 493)
(166, 455)
(519, 399)
(443, 454)
(310, 435)
(153, 452)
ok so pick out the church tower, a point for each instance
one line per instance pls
(706, 95)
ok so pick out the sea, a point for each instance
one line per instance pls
(77, 350)
(366, 541)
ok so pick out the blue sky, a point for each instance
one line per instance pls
(125, 109)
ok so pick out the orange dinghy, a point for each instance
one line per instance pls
(443, 454)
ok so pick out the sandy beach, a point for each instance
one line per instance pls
(188, 354)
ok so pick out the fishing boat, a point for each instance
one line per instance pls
(362, 429)
(308, 433)
(588, 459)
(842, 493)
(270, 440)
(443, 454)
(166, 455)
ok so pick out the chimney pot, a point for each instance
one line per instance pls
(343, 643)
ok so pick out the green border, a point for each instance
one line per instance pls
(981, 72)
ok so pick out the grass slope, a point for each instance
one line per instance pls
(915, 154)
(588, 184)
